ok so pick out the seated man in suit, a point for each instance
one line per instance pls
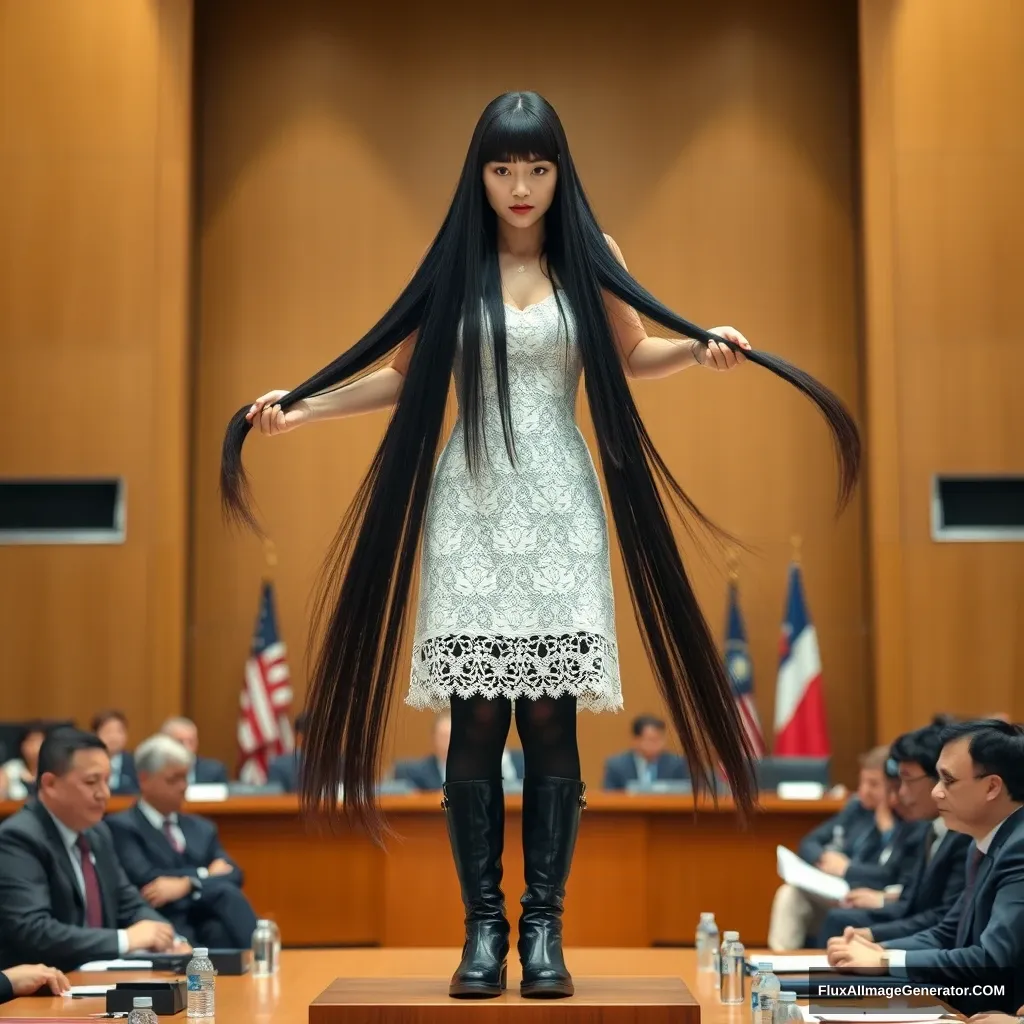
(28, 979)
(859, 834)
(427, 773)
(648, 761)
(176, 859)
(64, 898)
(980, 792)
(935, 878)
(284, 769)
(204, 769)
(112, 727)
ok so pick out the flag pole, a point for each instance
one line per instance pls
(270, 554)
(732, 562)
(797, 543)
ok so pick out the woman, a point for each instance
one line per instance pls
(20, 772)
(519, 294)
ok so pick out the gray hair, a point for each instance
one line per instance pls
(156, 753)
(178, 720)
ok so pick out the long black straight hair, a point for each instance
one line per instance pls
(361, 603)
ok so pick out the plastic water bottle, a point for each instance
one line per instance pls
(201, 981)
(734, 969)
(706, 942)
(764, 995)
(716, 956)
(787, 1012)
(142, 1011)
(266, 949)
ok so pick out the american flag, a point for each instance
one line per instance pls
(741, 671)
(264, 730)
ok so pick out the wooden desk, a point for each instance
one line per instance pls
(645, 867)
(304, 974)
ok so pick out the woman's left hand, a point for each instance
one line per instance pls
(716, 356)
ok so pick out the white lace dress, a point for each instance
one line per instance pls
(515, 581)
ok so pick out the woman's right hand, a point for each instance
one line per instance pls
(268, 417)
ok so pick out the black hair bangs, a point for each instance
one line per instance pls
(519, 134)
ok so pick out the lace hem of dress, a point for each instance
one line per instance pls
(585, 665)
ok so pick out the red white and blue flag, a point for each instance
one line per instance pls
(264, 729)
(800, 725)
(741, 672)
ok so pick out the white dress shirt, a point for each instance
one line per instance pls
(898, 957)
(70, 839)
(646, 771)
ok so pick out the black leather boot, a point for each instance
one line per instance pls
(475, 812)
(551, 822)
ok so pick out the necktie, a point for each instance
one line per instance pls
(93, 897)
(171, 838)
(965, 905)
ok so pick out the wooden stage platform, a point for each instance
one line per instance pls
(654, 863)
(409, 986)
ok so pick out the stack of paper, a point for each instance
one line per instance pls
(793, 964)
(117, 965)
(876, 1016)
(798, 873)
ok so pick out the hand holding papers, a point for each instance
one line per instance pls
(801, 875)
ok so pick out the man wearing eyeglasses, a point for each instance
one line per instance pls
(980, 792)
(935, 878)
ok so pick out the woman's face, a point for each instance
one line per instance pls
(30, 749)
(520, 192)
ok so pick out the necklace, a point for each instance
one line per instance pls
(521, 269)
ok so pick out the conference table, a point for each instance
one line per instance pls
(646, 865)
(305, 974)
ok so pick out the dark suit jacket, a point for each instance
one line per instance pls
(284, 770)
(6, 989)
(128, 782)
(423, 773)
(145, 853)
(929, 891)
(41, 906)
(903, 849)
(621, 769)
(993, 920)
(208, 770)
(861, 837)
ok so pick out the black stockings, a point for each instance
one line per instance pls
(480, 725)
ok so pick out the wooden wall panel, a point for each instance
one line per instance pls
(944, 222)
(329, 145)
(95, 142)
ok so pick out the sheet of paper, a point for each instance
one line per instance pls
(81, 991)
(117, 965)
(877, 1016)
(789, 964)
(801, 875)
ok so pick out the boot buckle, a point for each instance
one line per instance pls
(583, 796)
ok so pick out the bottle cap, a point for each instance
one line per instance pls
(731, 936)
(143, 1002)
(198, 951)
(707, 915)
(764, 967)
(787, 997)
